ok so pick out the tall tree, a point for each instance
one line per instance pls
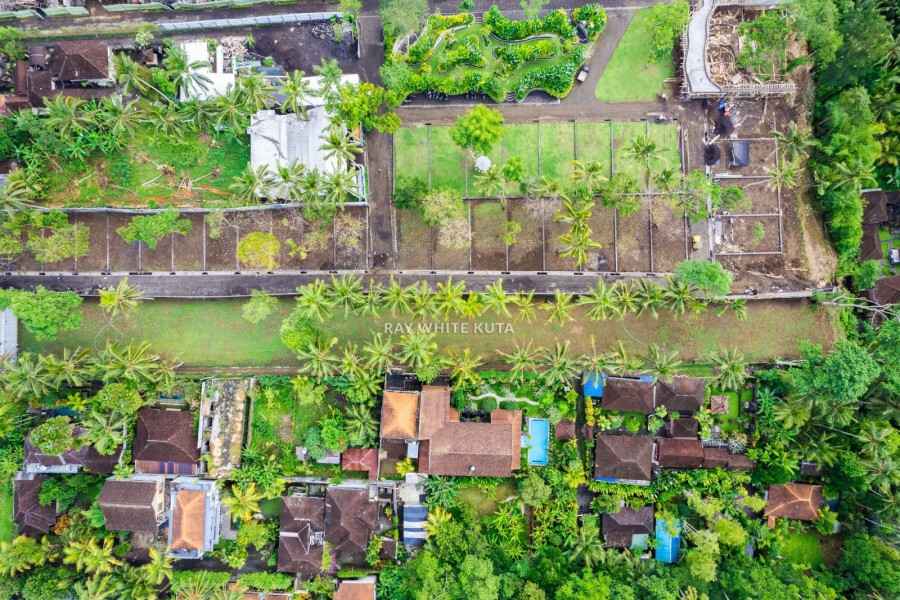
(122, 299)
(478, 130)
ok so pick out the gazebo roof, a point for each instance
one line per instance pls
(718, 405)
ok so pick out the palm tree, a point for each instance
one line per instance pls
(166, 120)
(625, 298)
(492, 183)
(14, 197)
(560, 368)
(330, 72)
(379, 353)
(67, 115)
(660, 363)
(314, 301)
(339, 186)
(159, 569)
(317, 359)
(438, 518)
(134, 362)
(119, 117)
(525, 302)
(92, 557)
(372, 301)
(678, 296)
(795, 141)
(417, 349)
(522, 360)
(346, 291)
(129, 75)
(71, 369)
(196, 114)
(397, 297)
(228, 111)
(449, 298)
(254, 184)
(23, 553)
(312, 185)
(594, 364)
(350, 365)
(649, 297)
(360, 424)
(496, 298)
(288, 181)
(188, 77)
(243, 503)
(462, 367)
(643, 150)
(792, 414)
(97, 588)
(122, 299)
(576, 244)
(28, 378)
(298, 91)
(667, 182)
(785, 175)
(731, 369)
(472, 306)
(106, 431)
(590, 174)
(586, 545)
(551, 189)
(422, 302)
(560, 308)
(853, 177)
(620, 363)
(600, 300)
(337, 144)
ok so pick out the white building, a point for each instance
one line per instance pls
(220, 77)
(277, 140)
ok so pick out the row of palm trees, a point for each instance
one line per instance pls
(319, 300)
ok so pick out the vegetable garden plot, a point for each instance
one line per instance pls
(634, 240)
(527, 253)
(763, 199)
(668, 236)
(488, 225)
(448, 162)
(521, 140)
(221, 251)
(557, 151)
(602, 224)
(95, 259)
(411, 152)
(122, 256)
(158, 259)
(319, 243)
(351, 238)
(592, 143)
(450, 258)
(623, 134)
(556, 262)
(748, 234)
(496, 156)
(288, 225)
(189, 248)
(413, 241)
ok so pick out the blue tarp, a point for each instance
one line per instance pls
(593, 387)
(667, 545)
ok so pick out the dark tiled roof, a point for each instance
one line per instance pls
(618, 528)
(127, 505)
(720, 458)
(165, 436)
(810, 469)
(876, 210)
(28, 514)
(84, 457)
(349, 523)
(301, 535)
(80, 60)
(628, 395)
(623, 457)
(886, 291)
(796, 501)
(870, 246)
(361, 459)
(684, 428)
(564, 430)
(681, 394)
(679, 453)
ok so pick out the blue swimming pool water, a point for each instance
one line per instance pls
(537, 441)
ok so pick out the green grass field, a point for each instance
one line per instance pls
(592, 143)
(803, 548)
(628, 76)
(557, 151)
(7, 526)
(212, 332)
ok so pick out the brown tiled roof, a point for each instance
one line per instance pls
(355, 590)
(28, 514)
(388, 549)
(623, 457)
(127, 505)
(684, 427)
(564, 430)
(679, 453)
(361, 459)
(301, 535)
(188, 520)
(40, 86)
(349, 523)
(720, 458)
(681, 394)
(628, 395)
(164, 436)
(451, 447)
(870, 246)
(796, 501)
(886, 291)
(398, 415)
(875, 207)
(85, 457)
(618, 528)
(80, 60)
(718, 405)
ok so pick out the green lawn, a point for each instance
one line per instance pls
(448, 161)
(592, 141)
(623, 134)
(628, 76)
(212, 332)
(486, 504)
(803, 548)
(557, 151)
(734, 407)
(413, 161)
(7, 526)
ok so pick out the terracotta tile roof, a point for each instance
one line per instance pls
(164, 436)
(684, 427)
(80, 60)
(355, 590)
(301, 535)
(886, 291)
(28, 514)
(84, 457)
(361, 459)
(718, 405)
(127, 505)
(796, 501)
(628, 395)
(451, 447)
(564, 430)
(675, 453)
(349, 523)
(876, 210)
(681, 394)
(720, 458)
(623, 457)
(188, 520)
(619, 528)
(398, 415)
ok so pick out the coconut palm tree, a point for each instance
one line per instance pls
(438, 518)
(360, 424)
(166, 120)
(521, 360)
(133, 362)
(252, 185)
(463, 367)
(14, 197)
(660, 363)
(130, 76)
(496, 298)
(90, 556)
(586, 546)
(667, 182)
(649, 297)
(551, 189)
(620, 363)
(576, 244)
(785, 175)
(678, 296)
(350, 364)
(792, 413)
(422, 303)
(417, 349)
(379, 353)
(590, 174)
(314, 301)
(28, 378)
(72, 368)
(795, 141)
(243, 503)
(196, 114)
(625, 298)
(298, 92)
(187, 77)
(97, 588)
(560, 308)
(643, 150)
(600, 301)
(289, 181)
(559, 366)
(337, 144)
(24, 553)
(449, 298)
(317, 359)
(106, 431)
(525, 303)
(67, 115)
(372, 301)
(122, 299)
(312, 185)
(330, 72)
(594, 364)
(731, 369)
(491, 183)
(119, 117)
(397, 297)
(472, 306)
(339, 186)
(345, 292)
(228, 111)
(159, 569)
(842, 176)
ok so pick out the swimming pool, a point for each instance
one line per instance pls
(537, 441)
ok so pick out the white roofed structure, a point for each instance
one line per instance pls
(277, 140)
(220, 80)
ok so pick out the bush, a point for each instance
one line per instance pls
(593, 17)
(182, 580)
(64, 242)
(266, 582)
(42, 312)
(667, 23)
(709, 277)
(258, 308)
(442, 206)
(516, 55)
(866, 275)
(151, 229)
(556, 80)
(257, 251)
(464, 52)
(297, 332)
(557, 22)
(409, 192)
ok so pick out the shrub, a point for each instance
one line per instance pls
(258, 308)
(667, 23)
(442, 206)
(64, 242)
(409, 192)
(593, 17)
(464, 52)
(53, 436)
(42, 312)
(257, 251)
(266, 582)
(151, 229)
(557, 22)
(297, 332)
(556, 80)
(709, 277)
(516, 55)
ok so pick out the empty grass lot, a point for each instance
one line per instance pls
(7, 526)
(803, 548)
(628, 76)
(212, 333)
